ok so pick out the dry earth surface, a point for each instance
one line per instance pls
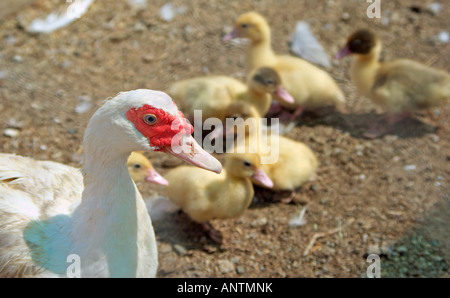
(388, 196)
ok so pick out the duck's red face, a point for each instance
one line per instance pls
(171, 134)
(159, 126)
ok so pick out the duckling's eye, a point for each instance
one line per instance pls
(357, 42)
(270, 82)
(244, 25)
(137, 166)
(150, 119)
(247, 164)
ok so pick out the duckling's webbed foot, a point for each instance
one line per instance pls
(212, 233)
(275, 108)
(385, 125)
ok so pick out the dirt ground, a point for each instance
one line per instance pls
(389, 196)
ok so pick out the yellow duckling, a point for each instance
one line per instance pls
(400, 86)
(213, 94)
(310, 86)
(141, 169)
(295, 162)
(204, 197)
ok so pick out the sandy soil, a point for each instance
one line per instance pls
(388, 196)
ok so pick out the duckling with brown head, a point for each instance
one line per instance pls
(400, 86)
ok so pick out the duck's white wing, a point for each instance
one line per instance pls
(43, 186)
(30, 192)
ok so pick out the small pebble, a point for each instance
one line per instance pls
(410, 167)
(345, 16)
(444, 36)
(240, 269)
(225, 266)
(435, 7)
(11, 132)
(17, 58)
(180, 250)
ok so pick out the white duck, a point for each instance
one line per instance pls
(47, 217)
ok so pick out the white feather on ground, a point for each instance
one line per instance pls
(57, 19)
(305, 45)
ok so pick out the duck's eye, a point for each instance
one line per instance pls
(247, 164)
(137, 166)
(150, 119)
(244, 25)
(270, 82)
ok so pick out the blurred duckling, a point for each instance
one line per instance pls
(310, 86)
(296, 163)
(213, 94)
(204, 196)
(400, 86)
(141, 169)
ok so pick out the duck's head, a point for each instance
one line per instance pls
(267, 80)
(360, 42)
(240, 112)
(141, 169)
(247, 165)
(145, 120)
(250, 25)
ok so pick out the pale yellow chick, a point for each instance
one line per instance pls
(204, 196)
(310, 86)
(294, 164)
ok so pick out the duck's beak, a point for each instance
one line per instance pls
(232, 35)
(262, 178)
(154, 177)
(343, 53)
(283, 94)
(190, 151)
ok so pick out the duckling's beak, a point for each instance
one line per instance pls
(343, 53)
(283, 94)
(262, 178)
(233, 34)
(154, 177)
(189, 150)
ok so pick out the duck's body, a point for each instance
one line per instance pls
(58, 221)
(400, 86)
(288, 163)
(204, 197)
(310, 86)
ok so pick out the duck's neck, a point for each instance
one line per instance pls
(111, 227)
(260, 54)
(261, 100)
(364, 69)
